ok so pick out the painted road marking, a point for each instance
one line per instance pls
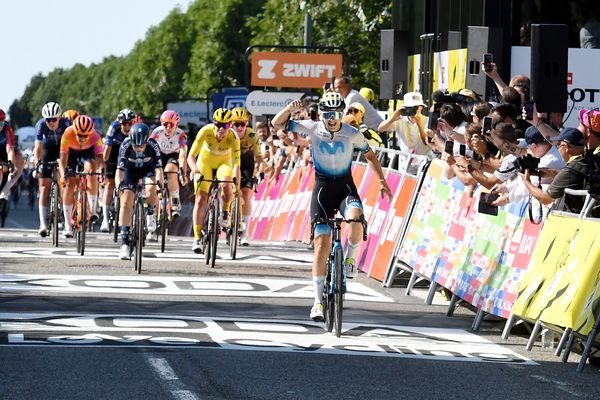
(200, 286)
(303, 337)
(154, 255)
(169, 380)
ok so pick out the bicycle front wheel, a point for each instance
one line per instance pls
(163, 221)
(338, 293)
(116, 212)
(328, 303)
(235, 228)
(81, 222)
(139, 240)
(215, 230)
(55, 213)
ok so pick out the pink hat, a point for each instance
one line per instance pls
(590, 119)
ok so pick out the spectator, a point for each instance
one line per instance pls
(409, 123)
(577, 173)
(480, 110)
(570, 143)
(452, 122)
(585, 17)
(358, 111)
(344, 87)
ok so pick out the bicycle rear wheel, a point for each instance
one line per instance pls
(54, 210)
(139, 239)
(339, 290)
(235, 228)
(164, 221)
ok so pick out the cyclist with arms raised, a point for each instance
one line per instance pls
(139, 159)
(79, 144)
(333, 144)
(115, 135)
(216, 147)
(250, 156)
(172, 142)
(49, 130)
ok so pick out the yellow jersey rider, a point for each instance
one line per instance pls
(250, 156)
(216, 147)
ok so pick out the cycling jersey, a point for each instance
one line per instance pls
(250, 142)
(114, 137)
(332, 156)
(46, 136)
(169, 145)
(214, 155)
(70, 143)
(147, 159)
(7, 139)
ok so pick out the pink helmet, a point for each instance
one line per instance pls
(169, 116)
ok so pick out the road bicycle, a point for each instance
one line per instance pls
(211, 219)
(335, 279)
(3, 178)
(80, 216)
(113, 213)
(138, 228)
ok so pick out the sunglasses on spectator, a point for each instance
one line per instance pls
(332, 115)
(353, 111)
(168, 125)
(51, 119)
(239, 124)
(220, 125)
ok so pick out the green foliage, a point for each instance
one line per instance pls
(195, 53)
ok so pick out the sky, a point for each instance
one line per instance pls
(38, 36)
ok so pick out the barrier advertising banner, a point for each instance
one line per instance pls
(562, 285)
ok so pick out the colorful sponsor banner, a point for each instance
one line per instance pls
(562, 285)
(294, 70)
(472, 254)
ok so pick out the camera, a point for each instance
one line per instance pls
(485, 204)
(527, 163)
(408, 111)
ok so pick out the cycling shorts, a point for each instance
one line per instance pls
(133, 175)
(77, 156)
(169, 158)
(247, 170)
(330, 195)
(222, 164)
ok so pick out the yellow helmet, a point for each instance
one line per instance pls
(367, 93)
(222, 115)
(70, 115)
(239, 114)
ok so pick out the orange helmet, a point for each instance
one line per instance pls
(70, 115)
(83, 125)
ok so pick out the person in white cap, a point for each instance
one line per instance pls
(410, 125)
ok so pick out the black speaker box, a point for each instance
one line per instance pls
(481, 40)
(549, 56)
(393, 65)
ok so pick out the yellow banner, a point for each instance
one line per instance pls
(562, 283)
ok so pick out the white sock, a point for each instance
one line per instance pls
(351, 250)
(105, 212)
(245, 222)
(93, 201)
(319, 284)
(67, 211)
(43, 211)
(175, 195)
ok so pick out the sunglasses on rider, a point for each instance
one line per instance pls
(51, 120)
(220, 125)
(168, 125)
(239, 124)
(332, 115)
(128, 123)
(82, 137)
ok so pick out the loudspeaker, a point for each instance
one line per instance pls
(481, 40)
(393, 65)
(549, 56)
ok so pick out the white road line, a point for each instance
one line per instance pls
(560, 385)
(169, 379)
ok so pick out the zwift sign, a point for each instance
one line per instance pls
(294, 70)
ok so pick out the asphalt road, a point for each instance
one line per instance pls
(88, 327)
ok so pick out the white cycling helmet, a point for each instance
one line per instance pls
(331, 101)
(51, 110)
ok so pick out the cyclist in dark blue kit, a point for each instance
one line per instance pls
(139, 159)
(117, 132)
(49, 130)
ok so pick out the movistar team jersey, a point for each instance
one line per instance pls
(332, 157)
(148, 159)
(45, 135)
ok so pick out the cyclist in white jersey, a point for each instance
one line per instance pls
(333, 144)
(172, 142)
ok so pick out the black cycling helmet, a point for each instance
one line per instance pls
(139, 134)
